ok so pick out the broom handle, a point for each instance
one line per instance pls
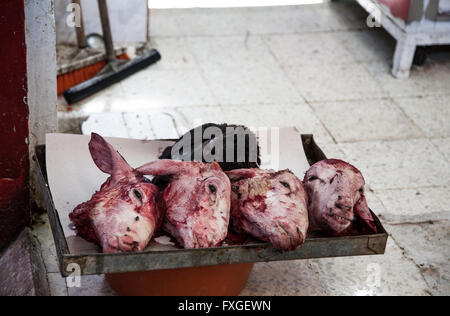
(81, 36)
(106, 27)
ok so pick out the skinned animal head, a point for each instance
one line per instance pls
(336, 197)
(271, 206)
(123, 215)
(197, 201)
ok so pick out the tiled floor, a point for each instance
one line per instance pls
(321, 69)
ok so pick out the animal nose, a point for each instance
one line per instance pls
(343, 207)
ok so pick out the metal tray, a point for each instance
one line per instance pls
(159, 260)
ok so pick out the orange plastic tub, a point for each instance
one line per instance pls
(224, 280)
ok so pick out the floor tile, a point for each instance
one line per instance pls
(368, 45)
(332, 151)
(251, 85)
(415, 205)
(95, 285)
(199, 115)
(231, 51)
(291, 20)
(57, 285)
(309, 48)
(443, 145)
(153, 89)
(164, 23)
(211, 22)
(431, 114)
(349, 13)
(299, 116)
(170, 88)
(429, 80)
(389, 274)
(175, 53)
(428, 245)
(335, 82)
(365, 120)
(399, 164)
(375, 203)
(256, 116)
(295, 278)
(44, 234)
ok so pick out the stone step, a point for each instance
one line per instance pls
(22, 270)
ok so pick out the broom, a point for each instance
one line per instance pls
(115, 70)
(88, 67)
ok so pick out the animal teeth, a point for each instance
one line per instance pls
(340, 218)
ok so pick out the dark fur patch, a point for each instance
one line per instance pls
(250, 138)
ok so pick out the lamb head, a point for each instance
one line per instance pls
(124, 214)
(269, 205)
(336, 198)
(197, 201)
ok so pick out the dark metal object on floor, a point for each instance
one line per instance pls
(420, 56)
(322, 247)
(115, 70)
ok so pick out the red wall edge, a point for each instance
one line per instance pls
(399, 8)
(14, 162)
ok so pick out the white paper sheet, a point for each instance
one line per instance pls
(74, 178)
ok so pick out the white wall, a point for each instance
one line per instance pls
(41, 72)
(128, 20)
(444, 6)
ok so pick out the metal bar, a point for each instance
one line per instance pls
(81, 36)
(62, 248)
(106, 27)
(159, 260)
(148, 25)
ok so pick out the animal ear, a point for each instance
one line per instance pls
(362, 211)
(216, 166)
(107, 158)
(164, 167)
(239, 174)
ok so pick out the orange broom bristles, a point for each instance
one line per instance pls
(74, 78)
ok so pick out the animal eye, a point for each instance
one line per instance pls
(332, 179)
(138, 195)
(285, 184)
(212, 188)
(361, 190)
(313, 178)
